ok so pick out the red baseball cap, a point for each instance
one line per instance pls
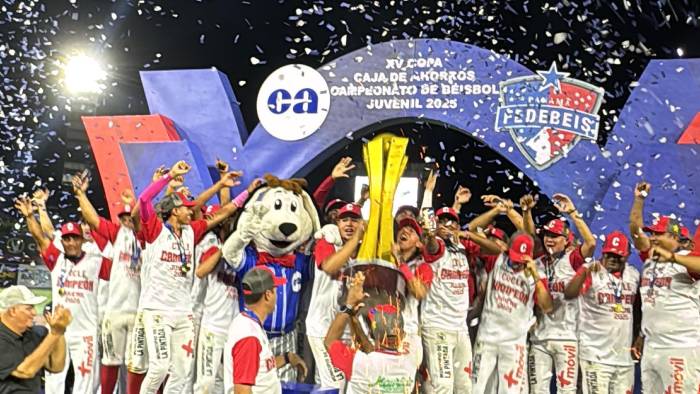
(447, 211)
(211, 209)
(334, 203)
(664, 224)
(185, 201)
(410, 208)
(350, 209)
(520, 246)
(496, 232)
(685, 233)
(616, 243)
(557, 226)
(411, 222)
(71, 228)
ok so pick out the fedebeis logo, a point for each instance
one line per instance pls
(548, 114)
(293, 102)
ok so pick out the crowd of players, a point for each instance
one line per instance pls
(485, 312)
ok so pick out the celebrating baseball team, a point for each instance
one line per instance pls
(257, 290)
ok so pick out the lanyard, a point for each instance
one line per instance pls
(184, 264)
(617, 288)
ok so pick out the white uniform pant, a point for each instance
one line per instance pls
(414, 345)
(116, 337)
(137, 356)
(82, 352)
(170, 341)
(607, 379)
(500, 368)
(563, 355)
(326, 374)
(675, 370)
(449, 359)
(210, 367)
(283, 344)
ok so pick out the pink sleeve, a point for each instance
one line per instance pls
(429, 258)
(321, 192)
(241, 198)
(342, 357)
(147, 196)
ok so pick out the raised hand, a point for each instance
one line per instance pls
(642, 189)
(59, 319)
(179, 169)
(563, 203)
(527, 202)
(80, 184)
(127, 197)
(254, 185)
(39, 197)
(431, 181)
(24, 206)
(230, 179)
(342, 168)
(356, 291)
(221, 166)
(463, 195)
(491, 200)
(159, 173)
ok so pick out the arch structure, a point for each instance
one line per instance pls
(544, 122)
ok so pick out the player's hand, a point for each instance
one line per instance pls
(642, 189)
(24, 206)
(396, 252)
(530, 267)
(527, 202)
(342, 168)
(80, 184)
(657, 253)
(39, 197)
(254, 185)
(356, 291)
(59, 319)
(179, 169)
(563, 203)
(431, 181)
(221, 166)
(159, 173)
(638, 348)
(230, 179)
(504, 206)
(127, 197)
(364, 193)
(298, 364)
(491, 200)
(595, 267)
(463, 195)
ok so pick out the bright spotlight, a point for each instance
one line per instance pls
(83, 74)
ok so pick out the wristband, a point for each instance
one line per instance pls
(347, 309)
(286, 358)
(406, 271)
(241, 198)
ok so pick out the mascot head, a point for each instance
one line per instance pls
(286, 213)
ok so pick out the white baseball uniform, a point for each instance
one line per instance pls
(248, 358)
(322, 310)
(554, 340)
(167, 304)
(411, 319)
(670, 321)
(605, 330)
(74, 285)
(220, 306)
(500, 352)
(377, 372)
(444, 311)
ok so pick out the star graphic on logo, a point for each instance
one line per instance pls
(552, 77)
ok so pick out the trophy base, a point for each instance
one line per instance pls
(384, 283)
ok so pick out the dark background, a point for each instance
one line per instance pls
(606, 43)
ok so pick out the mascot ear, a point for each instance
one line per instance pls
(311, 209)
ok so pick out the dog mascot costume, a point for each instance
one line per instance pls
(277, 220)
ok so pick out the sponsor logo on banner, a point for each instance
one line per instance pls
(293, 102)
(548, 114)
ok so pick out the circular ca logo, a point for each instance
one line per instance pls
(293, 102)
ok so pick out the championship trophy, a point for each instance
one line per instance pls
(385, 160)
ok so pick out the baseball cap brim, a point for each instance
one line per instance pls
(516, 256)
(409, 208)
(410, 222)
(36, 300)
(336, 203)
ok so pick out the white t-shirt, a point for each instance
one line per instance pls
(324, 294)
(266, 380)
(447, 303)
(605, 333)
(508, 306)
(166, 286)
(670, 306)
(560, 324)
(75, 286)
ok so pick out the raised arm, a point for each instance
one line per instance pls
(208, 263)
(146, 209)
(224, 193)
(225, 211)
(429, 189)
(690, 262)
(527, 204)
(565, 205)
(80, 186)
(353, 300)
(487, 246)
(39, 198)
(573, 289)
(336, 261)
(639, 239)
(228, 180)
(339, 171)
(462, 196)
(24, 206)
